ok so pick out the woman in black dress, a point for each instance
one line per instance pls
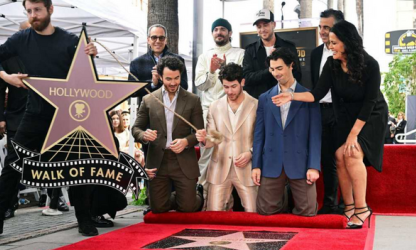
(361, 111)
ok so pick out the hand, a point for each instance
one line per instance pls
(391, 135)
(2, 128)
(255, 176)
(90, 49)
(351, 145)
(311, 176)
(150, 135)
(281, 99)
(178, 145)
(151, 172)
(15, 79)
(201, 135)
(139, 156)
(155, 76)
(242, 160)
(216, 63)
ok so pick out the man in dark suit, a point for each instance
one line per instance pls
(171, 141)
(255, 71)
(318, 58)
(287, 144)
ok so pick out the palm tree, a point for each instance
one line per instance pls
(341, 5)
(268, 4)
(360, 16)
(165, 13)
(330, 4)
(305, 8)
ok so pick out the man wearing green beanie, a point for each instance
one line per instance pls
(207, 82)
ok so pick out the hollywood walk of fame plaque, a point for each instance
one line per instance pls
(80, 147)
(200, 239)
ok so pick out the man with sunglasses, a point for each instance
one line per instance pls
(144, 67)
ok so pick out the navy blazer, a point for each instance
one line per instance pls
(297, 147)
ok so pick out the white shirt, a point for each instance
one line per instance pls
(233, 120)
(269, 50)
(168, 114)
(234, 116)
(284, 109)
(326, 53)
(209, 84)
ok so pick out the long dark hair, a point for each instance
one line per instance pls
(353, 46)
(120, 127)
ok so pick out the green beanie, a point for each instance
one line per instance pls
(221, 22)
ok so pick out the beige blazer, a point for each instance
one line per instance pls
(234, 143)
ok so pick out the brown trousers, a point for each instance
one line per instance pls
(272, 198)
(160, 188)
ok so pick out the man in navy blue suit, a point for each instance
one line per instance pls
(287, 144)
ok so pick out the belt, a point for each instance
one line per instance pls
(326, 105)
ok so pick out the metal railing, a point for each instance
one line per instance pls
(402, 137)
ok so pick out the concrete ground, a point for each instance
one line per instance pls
(30, 230)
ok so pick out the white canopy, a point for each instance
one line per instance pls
(118, 24)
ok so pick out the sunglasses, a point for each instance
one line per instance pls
(161, 38)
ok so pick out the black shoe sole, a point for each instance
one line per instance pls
(103, 225)
(87, 234)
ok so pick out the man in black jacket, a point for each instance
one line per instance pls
(255, 70)
(318, 59)
(144, 67)
(46, 51)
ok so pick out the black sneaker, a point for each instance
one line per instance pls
(42, 200)
(87, 229)
(147, 210)
(62, 206)
(100, 221)
(9, 214)
(200, 191)
(1, 225)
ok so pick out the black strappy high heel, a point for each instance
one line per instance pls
(353, 204)
(356, 226)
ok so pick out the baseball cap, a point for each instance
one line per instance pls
(264, 15)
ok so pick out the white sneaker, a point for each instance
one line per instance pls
(51, 212)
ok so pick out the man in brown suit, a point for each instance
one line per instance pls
(171, 154)
(234, 116)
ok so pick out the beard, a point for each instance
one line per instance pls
(42, 23)
(223, 42)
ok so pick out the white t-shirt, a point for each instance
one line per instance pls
(269, 50)
(326, 53)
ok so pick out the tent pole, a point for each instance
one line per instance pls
(135, 47)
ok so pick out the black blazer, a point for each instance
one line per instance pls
(400, 128)
(316, 57)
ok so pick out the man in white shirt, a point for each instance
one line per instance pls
(318, 59)
(207, 81)
(234, 116)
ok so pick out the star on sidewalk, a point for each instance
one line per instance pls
(230, 241)
(81, 101)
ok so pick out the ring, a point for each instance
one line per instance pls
(353, 146)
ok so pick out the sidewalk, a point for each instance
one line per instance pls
(30, 230)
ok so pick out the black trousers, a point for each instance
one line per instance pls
(328, 149)
(31, 134)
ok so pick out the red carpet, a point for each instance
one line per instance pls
(248, 219)
(391, 192)
(140, 235)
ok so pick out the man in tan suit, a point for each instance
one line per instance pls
(171, 154)
(234, 116)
